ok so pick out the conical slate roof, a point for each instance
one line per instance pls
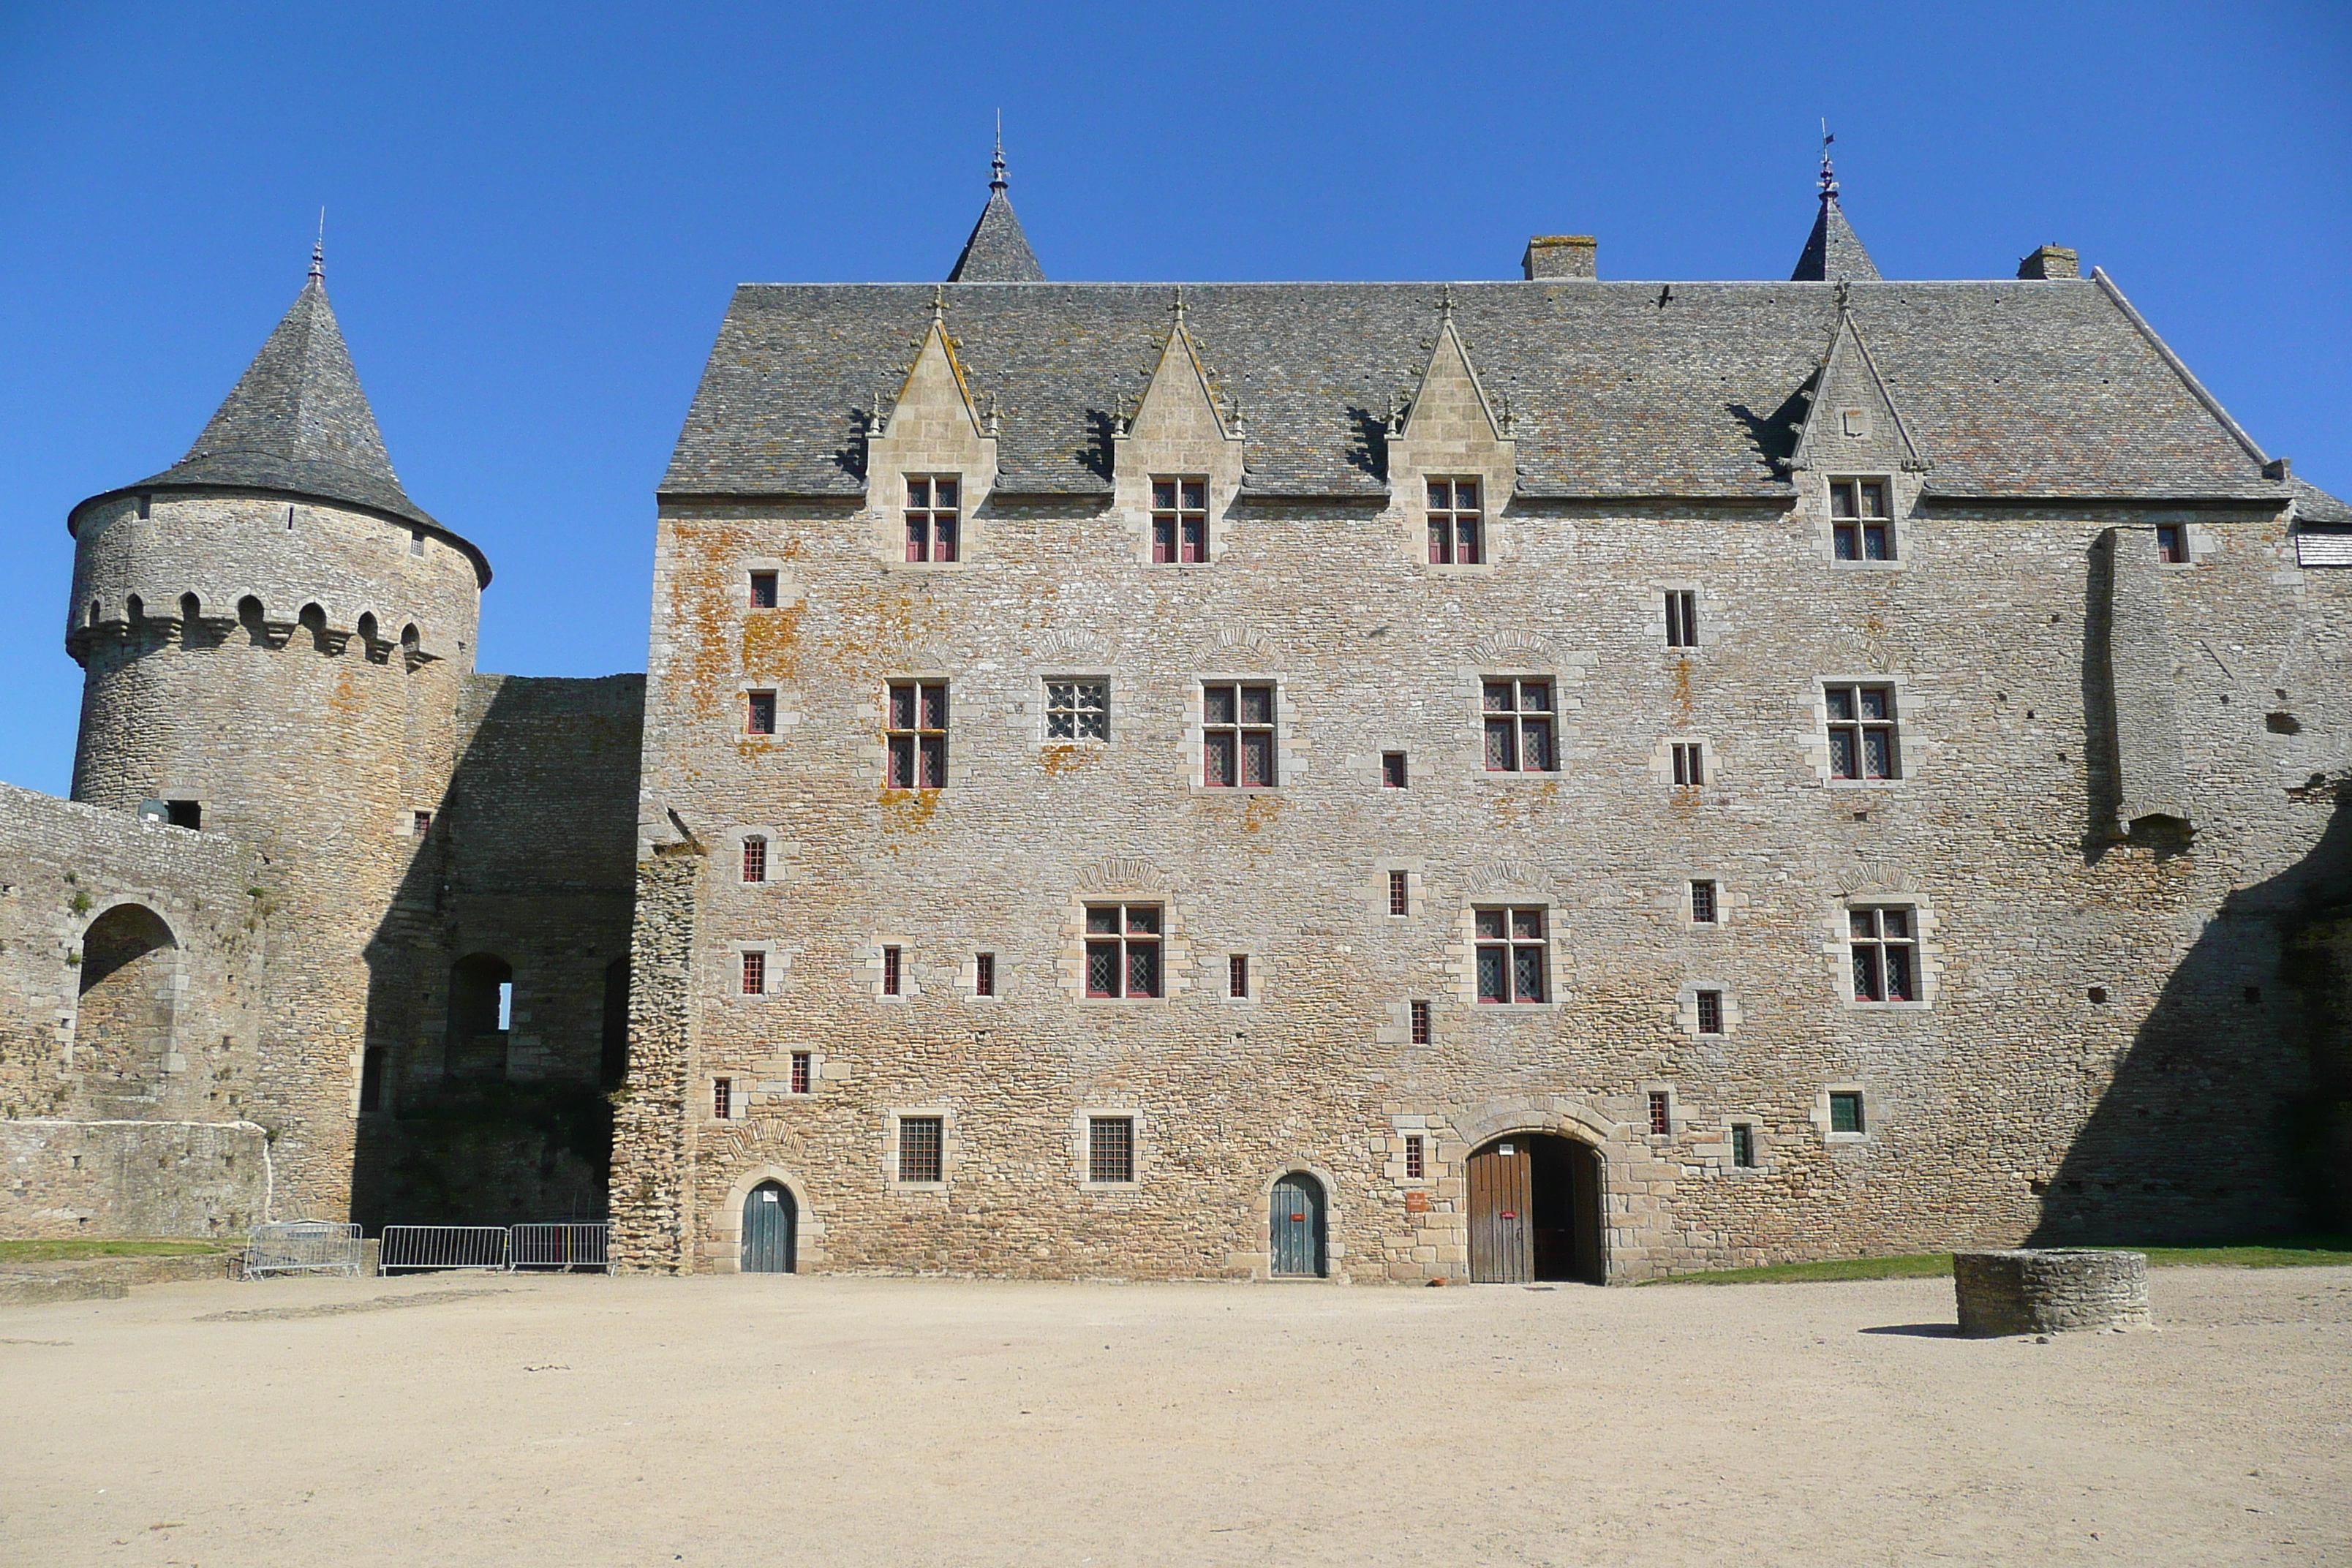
(297, 422)
(1834, 250)
(997, 252)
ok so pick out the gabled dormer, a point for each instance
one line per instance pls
(930, 461)
(1856, 468)
(1451, 460)
(1176, 458)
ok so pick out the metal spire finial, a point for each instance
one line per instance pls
(319, 251)
(1828, 174)
(996, 180)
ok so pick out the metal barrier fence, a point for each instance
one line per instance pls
(559, 1245)
(304, 1247)
(481, 1246)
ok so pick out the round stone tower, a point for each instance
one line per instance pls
(275, 640)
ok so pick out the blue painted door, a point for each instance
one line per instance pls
(1295, 1226)
(769, 1220)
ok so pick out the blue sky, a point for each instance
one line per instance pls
(535, 214)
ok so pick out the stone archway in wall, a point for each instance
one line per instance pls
(722, 1230)
(1538, 1195)
(123, 1020)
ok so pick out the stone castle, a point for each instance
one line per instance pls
(1557, 778)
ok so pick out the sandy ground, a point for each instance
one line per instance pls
(449, 1420)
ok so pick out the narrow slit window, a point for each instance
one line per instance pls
(1864, 740)
(983, 974)
(1743, 1145)
(372, 1064)
(1886, 945)
(1399, 893)
(919, 1148)
(760, 713)
(1416, 1160)
(1690, 764)
(1859, 519)
(1710, 1012)
(890, 970)
(722, 1098)
(1237, 735)
(1703, 904)
(1518, 716)
(1179, 521)
(1237, 967)
(763, 590)
(755, 859)
(1682, 617)
(755, 974)
(1110, 1149)
(1457, 526)
(1123, 950)
(1393, 769)
(932, 515)
(1512, 955)
(1661, 1115)
(800, 1072)
(918, 734)
(1421, 1023)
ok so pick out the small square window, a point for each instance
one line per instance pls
(1180, 520)
(919, 1148)
(1393, 769)
(1682, 617)
(760, 712)
(1455, 523)
(755, 974)
(184, 814)
(763, 590)
(1845, 1112)
(1690, 763)
(1662, 1116)
(1416, 1161)
(1399, 893)
(1238, 974)
(1078, 709)
(917, 733)
(722, 1098)
(415, 537)
(1518, 716)
(799, 1080)
(1237, 735)
(983, 974)
(1421, 1023)
(1859, 520)
(1710, 1012)
(1743, 1145)
(890, 971)
(755, 859)
(1703, 904)
(1110, 1149)
(2172, 544)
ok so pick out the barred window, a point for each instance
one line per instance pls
(918, 735)
(755, 859)
(755, 974)
(1858, 518)
(1455, 526)
(1710, 1012)
(722, 1098)
(931, 514)
(1519, 727)
(919, 1148)
(1863, 733)
(1416, 1162)
(890, 971)
(983, 974)
(1180, 520)
(1703, 904)
(1682, 617)
(1237, 979)
(1743, 1145)
(1690, 763)
(1237, 735)
(1123, 950)
(1399, 893)
(1078, 709)
(1511, 955)
(1421, 1023)
(760, 712)
(1885, 944)
(1110, 1149)
(800, 1072)
(1662, 1119)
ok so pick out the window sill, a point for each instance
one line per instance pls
(1865, 783)
(1484, 1008)
(1518, 775)
(925, 565)
(1441, 569)
(1895, 566)
(1109, 1186)
(1858, 1004)
(1846, 1139)
(1122, 1001)
(1236, 789)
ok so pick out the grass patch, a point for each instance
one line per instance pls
(2293, 1252)
(95, 1246)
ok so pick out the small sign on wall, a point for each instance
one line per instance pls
(1416, 1203)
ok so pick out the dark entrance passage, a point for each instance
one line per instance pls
(770, 1224)
(1535, 1211)
(1295, 1226)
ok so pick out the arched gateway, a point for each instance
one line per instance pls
(1535, 1210)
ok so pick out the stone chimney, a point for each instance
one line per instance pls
(1560, 256)
(2050, 262)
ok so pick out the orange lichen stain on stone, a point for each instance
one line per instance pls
(1059, 760)
(1260, 810)
(881, 628)
(703, 600)
(1683, 686)
(344, 703)
(771, 643)
(907, 810)
(1520, 803)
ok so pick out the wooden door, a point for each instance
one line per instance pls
(1502, 1228)
(769, 1220)
(1295, 1226)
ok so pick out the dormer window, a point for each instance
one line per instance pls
(1859, 522)
(1455, 528)
(932, 513)
(1179, 521)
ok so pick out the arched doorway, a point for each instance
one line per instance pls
(122, 1020)
(771, 1230)
(1535, 1210)
(1296, 1227)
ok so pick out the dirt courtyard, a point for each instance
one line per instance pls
(453, 1420)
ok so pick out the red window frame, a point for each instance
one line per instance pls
(1237, 968)
(1392, 775)
(1179, 519)
(755, 859)
(983, 974)
(1416, 1161)
(1456, 523)
(1123, 952)
(1237, 734)
(2172, 544)
(1399, 893)
(1662, 1114)
(755, 974)
(800, 1072)
(759, 712)
(922, 1154)
(916, 731)
(1885, 942)
(1519, 720)
(1110, 1149)
(892, 969)
(933, 516)
(763, 590)
(722, 1098)
(1865, 734)
(1514, 953)
(1419, 1016)
(1860, 520)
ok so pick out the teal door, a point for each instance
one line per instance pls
(1295, 1226)
(769, 1220)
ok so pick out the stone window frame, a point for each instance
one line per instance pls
(1497, 491)
(1661, 759)
(1704, 632)
(1872, 1114)
(1913, 748)
(780, 850)
(1902, 495)
(931, 476)
(1724, 1164)
(1410, 1124)
(967, 974)
(1451, 479)
(1521, 777)
(874, 708)
(782, 1089)
(1723, 901)
(738, 1098)
(1928, 950)
(1114, 708)
(1261, 970)
(886, 531)
(1687, 1007)
(1178, 963)
(2197, 543)
(1374, 890)
(1290, 758)
(1462, 955)
(746, 737)
(866, 962)
(950, 1147)
(1677, 1125)
(774, 979)
(1143, 1147)
(1397, 1029)
(788, 592)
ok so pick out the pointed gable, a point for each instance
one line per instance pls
(1833, 251)
(1450, 411)
(935, 427)
(1853, 422)
(1179, 405)
(296, 421)
(1180, 429)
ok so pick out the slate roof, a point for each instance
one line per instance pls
(2008, 388)
(1834, 250)
(997, 252)
(2316, 507)
(298, 423)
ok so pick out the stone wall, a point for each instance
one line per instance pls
(2100, 1042)
(133, 1178)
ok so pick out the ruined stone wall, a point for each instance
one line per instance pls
(2099, 1046)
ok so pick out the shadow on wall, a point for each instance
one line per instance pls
(499, 981)
(2228, 1116)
